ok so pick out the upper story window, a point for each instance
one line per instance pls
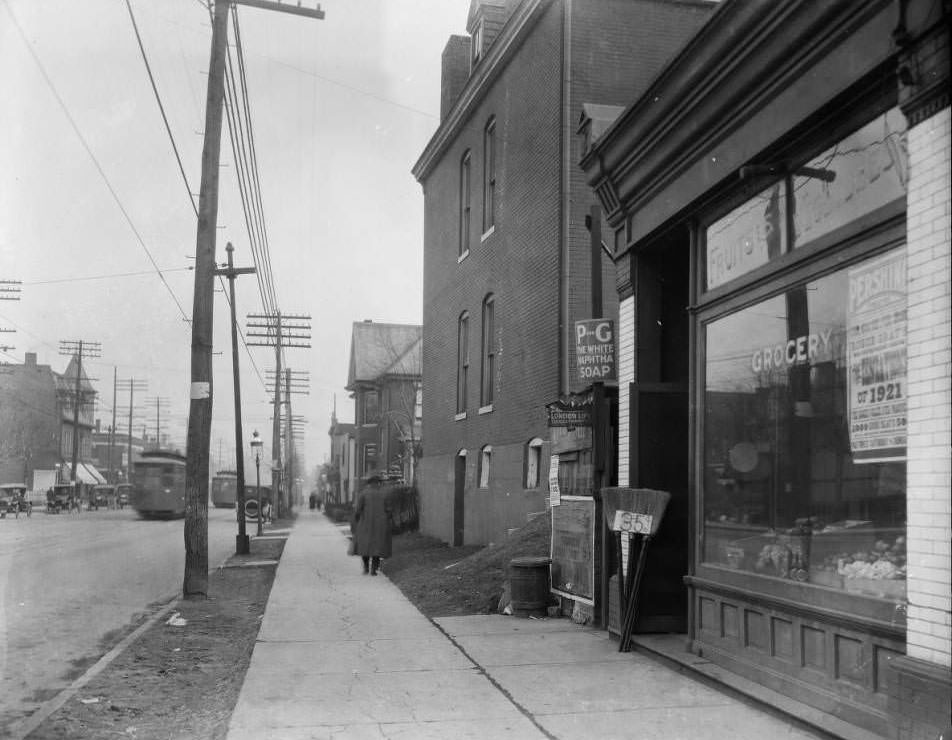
(371, 407)
(465, 202)
(462, 361)
(488, 368)
(418, 402)
(489, 176)
(477, 43)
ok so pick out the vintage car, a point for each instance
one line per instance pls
(101, 497)
(61, 497)
(123, 495)
(13, 500)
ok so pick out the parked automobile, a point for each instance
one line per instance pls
(13, 500)
(123, 495)
(102, 496)
(61, 498)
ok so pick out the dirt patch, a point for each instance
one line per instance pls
(444, 581)
(178, 682)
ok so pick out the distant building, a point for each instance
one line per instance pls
(340, 469)
(507, 267)
(385, 382)
(37, 424)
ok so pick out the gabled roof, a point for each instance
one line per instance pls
(67, 380)
(377, 350)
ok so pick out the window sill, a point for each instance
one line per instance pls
(459, 417)
(463, 256)
(488, 233)
(486, 409)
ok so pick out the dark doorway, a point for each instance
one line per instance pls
(459, 489)
(659, 424)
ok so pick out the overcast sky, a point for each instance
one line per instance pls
(341, 109)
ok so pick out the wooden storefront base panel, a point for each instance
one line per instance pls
(828, 665)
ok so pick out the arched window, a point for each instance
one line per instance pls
(487, 372)
(485, 463)
(489, 176)
(533, 462)
(464, 202)
(462, 361)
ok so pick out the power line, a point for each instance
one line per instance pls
(92, 156)
(165, 120)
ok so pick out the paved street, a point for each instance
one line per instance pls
(69, 582)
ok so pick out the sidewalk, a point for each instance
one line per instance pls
(344, 655)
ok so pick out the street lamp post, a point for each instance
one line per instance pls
(256, 446)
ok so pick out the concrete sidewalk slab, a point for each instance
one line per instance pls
(345, 655)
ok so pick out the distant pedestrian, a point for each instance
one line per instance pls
(372, 531)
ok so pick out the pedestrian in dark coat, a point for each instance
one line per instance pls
(372, 532)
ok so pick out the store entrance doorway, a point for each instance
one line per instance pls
(659, 452)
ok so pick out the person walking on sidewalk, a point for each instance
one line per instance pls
(372, 517)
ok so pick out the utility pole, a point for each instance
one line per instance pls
(112, 429)
(76, 348)
(9, 291)
(231, 272)
(132, 385)
(278, 330)
(160, 405)
(295, 382)
(195, 582)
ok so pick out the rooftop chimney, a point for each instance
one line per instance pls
(455, 71)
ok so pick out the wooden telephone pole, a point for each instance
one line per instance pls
(195, 583)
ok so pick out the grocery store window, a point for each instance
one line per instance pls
(804, 439)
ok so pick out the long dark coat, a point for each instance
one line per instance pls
(372, 514)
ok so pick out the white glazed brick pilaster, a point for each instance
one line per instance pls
(929, 394)
(626, 375)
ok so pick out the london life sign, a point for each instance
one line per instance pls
(595, 350)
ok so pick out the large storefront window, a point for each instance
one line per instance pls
(864, 171)
(804, 433)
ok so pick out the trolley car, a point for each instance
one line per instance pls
(224, 489)
(159, 485)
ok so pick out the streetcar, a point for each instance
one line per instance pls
(224, 489)
(159, 485)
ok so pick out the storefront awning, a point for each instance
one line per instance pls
(86, 473)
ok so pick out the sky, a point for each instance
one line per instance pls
(93, 206)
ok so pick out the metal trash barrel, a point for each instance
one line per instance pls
(529, 585)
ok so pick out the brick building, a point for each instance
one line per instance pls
(506, 251)
(37, 423)
(384, 380)
(782, 208)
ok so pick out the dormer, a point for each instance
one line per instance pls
(594, 121)
(485, 21)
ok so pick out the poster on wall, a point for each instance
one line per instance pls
(573, 549)
(876, 357)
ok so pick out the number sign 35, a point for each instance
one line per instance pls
(630, 521)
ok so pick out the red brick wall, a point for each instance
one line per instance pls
(614, 54)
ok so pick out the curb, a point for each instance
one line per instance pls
(46, 709)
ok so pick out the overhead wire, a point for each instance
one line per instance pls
(92, 156)
(178, 159)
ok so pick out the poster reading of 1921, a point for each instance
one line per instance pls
(573, 548)
(876, 336)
